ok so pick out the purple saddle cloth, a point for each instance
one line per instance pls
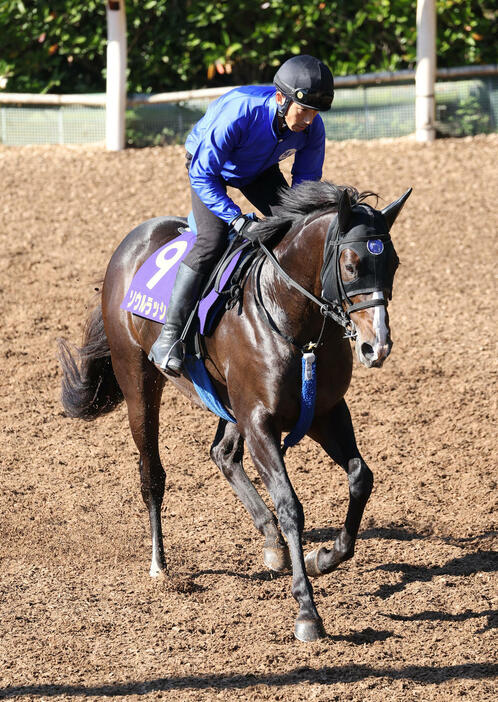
(150, 290)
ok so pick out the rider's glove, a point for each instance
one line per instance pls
(242, 224)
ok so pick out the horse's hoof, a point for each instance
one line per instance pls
(309, 630)
(157, 571)
(277, 559)
(311, 563)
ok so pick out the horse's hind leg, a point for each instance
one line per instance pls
(142, 385)
(336, 435)
(227, 452)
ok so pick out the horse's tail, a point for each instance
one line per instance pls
(89, 386)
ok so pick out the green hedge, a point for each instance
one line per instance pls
(59, 46)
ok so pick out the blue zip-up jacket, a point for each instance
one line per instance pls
(237, 140)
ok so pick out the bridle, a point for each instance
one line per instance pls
(329, 310)
(369, 238)
(336, 303)
(365, 230)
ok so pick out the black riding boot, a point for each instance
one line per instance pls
(167, 351)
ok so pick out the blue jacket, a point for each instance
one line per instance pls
(236, 139)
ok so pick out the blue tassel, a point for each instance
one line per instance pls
(308, 397)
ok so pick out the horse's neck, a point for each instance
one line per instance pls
(300, 254)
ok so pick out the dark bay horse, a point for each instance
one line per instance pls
(337, 264)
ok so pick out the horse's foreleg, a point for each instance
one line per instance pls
(142, 385)
(267, 456)
(227, 452)
(336, 435)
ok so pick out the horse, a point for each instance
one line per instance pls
(326, 279)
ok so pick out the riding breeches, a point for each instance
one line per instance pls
(212, 232)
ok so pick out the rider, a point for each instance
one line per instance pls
(239, 142)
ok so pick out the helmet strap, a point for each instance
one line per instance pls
(282, 109)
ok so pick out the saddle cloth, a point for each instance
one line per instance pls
(149, 294)
(150, 290)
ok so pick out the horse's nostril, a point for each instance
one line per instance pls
(367, 351)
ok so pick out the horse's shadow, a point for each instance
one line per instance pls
(326, 675)
(395, 533)
(325, 534)
(263, 575)
(479, 562)
(436, 616)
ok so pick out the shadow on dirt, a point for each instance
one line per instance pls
(321, 535)
(359, 638)
(394, 533)
(435, 616)
(263, 575)
(323, 676)
(479, 562)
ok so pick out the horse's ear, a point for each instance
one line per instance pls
(344, 211)
(392, 211)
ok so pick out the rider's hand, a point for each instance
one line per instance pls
(242, 224)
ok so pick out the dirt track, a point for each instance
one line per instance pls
(412, 617)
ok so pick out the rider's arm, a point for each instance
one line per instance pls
(213, 150)
(308, 162)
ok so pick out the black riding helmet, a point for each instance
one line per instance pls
(307, 81)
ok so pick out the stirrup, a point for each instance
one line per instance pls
(177, 367)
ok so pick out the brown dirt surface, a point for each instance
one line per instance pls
(411, 617)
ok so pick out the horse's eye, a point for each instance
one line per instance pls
(350, 268)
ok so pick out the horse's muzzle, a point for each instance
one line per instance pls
(373, 356)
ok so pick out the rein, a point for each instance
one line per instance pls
(334, 312)
(260, 307)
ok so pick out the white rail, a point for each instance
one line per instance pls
(99, 100)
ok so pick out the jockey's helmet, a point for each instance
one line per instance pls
(306, 80)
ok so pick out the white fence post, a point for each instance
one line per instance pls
(116, 75)
(4, 125)
(425, 75)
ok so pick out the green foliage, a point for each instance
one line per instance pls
(469, 119)
(59, 46)
(56, 46)
(464, 117)
(157, 125)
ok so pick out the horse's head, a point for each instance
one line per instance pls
(358, 271)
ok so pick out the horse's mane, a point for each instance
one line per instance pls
(304, 199)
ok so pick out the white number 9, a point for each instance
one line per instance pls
(164, 264)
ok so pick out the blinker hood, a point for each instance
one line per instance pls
(366, 232)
